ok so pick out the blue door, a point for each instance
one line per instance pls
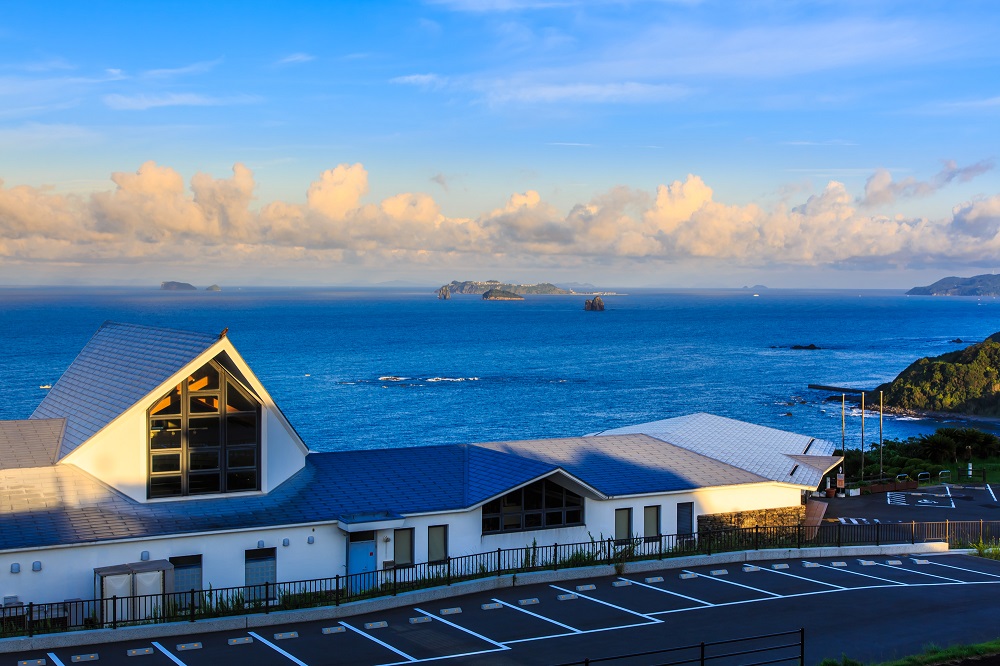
(361, 567)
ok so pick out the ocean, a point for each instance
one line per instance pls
(367, 368)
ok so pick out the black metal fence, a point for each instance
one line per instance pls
(784, 647)
(36, 618)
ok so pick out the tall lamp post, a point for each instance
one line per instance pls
(862, 437)
(881, 408)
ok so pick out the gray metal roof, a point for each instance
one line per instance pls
(120, 365)
(61, 504)
(767, 452)
(30, 443)
(619, 465)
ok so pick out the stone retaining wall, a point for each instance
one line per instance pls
(789, 515)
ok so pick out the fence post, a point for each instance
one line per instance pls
(336, 590)
(498, 562)
(660, 541)
(840, 526)
(913, 533)
(980, 530)
(947, 532)
(611, 550)
(394, 570)
(114, 611)
(756, 537)
(29, 620)
(878, 534)
(802, 646)
(798, 536)
(702, 661)
(191, 612)
(449, 570)
(555, 557)
(267, 597)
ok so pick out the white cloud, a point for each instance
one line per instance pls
(295, 59)
(142, 101)
(881, 189)
(193, 68)
(428, 81)
(622, 92)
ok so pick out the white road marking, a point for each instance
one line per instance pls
(169, 655)
(605, 603)
(991, 492)
(580, 633)
(951, 566)
(922, 573)
(729, 582)
(468, 631)
(676, 594)
(447, 656)
(540, 617)
(858, 573)
(950, 498)
(382, 643)
(811, 580)
(277, 649)
(55, 660)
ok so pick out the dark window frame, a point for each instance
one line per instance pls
(559, 506)
(395, 547)
(444, 529)
(227, 479)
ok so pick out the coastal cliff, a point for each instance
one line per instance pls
(977, 285)
(961, 382)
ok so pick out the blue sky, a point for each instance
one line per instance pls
(668, 143)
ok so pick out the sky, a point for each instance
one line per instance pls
(660, 143)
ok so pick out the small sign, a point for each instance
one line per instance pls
(840, 481)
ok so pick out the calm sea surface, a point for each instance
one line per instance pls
(384, 368)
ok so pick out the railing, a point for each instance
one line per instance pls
(114, 612)
(752, 651)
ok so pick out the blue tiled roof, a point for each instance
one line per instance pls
(63, 505)
(120, 365)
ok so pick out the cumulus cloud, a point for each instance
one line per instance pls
(882, 189)
(153, 215)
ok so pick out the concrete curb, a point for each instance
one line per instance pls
(242, 623)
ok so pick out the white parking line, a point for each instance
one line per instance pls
(277, 649)
(55, 660)
(382, 643)
(951, 566)
(922, 573)
(447, 656)
(729, 582)
(676, 594)
(950, 498)
(858, 573)
(169, 655)
(540, 617)
(811, 580)
(991, 492)
(468, 631)
(605, 603)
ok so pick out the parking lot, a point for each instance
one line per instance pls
(944, 598)
(953, 502)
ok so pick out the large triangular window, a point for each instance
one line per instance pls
(204, 437)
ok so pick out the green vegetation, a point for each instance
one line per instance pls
(946, 448)
(477, 287)
(501, 295)
(965, 382)
(931, 656)
(978, 285)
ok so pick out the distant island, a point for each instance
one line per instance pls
(177, 286)
(213, 287)
(501, 295)
(476, 287)
(978, 285)
(966, 381)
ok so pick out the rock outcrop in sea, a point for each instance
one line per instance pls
(594, 305)
(444, 293)
(501, 295)
(170, 285)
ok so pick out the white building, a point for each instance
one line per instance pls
(162, 445)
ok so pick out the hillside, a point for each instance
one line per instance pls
(978, 285)
(964, 382)
(476, 287)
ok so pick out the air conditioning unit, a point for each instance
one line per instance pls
(140, 588)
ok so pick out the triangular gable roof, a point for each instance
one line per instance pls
(118, 367)
(767, 452)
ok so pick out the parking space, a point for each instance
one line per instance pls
(955, 502)
(502, 625)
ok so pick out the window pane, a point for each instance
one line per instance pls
(623, 524)
(512, 521)
(685, 517)
(533, 496)
(165, 486)
(492, 507)
(572, 499)
(574, 516)
(241, 458)
(437, 543)
(168, 405)
(241, 430)
(553, 496)
(204, 483)
(203, 432)
(205, 404)
(204, 459)
(651, 521)
(532, 520)
(166, 462)
(236, 401)
(165, 434)
(491, 524)
(553, 518)
(403, 553)
(205, 378)
(512, 501)
(187, 574)
(241, 481)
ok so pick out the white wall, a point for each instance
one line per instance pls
(282, 455)
(118, 454)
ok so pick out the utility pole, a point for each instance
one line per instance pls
(862, 437)
(881, 408)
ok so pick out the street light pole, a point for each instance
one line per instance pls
(881, 408)
(862, 437)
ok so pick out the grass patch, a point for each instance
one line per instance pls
(931, 656)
